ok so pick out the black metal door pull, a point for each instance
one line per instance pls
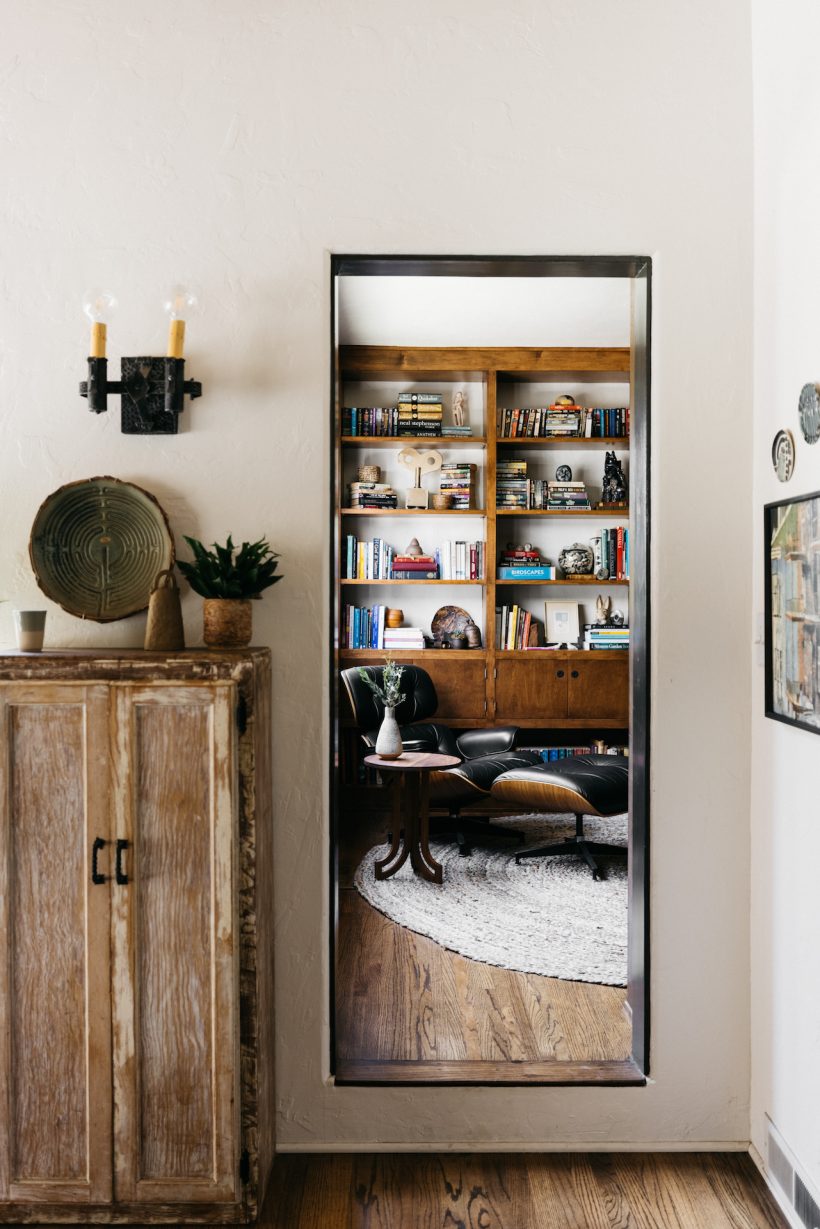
(119, 873)
(99, 844)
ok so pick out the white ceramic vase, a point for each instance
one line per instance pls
(388, 743)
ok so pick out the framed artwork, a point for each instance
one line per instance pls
(791, 537)
(562, 622)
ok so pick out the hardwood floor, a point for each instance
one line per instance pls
(403, 998)
(554, 1191)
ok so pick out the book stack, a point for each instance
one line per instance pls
(606, 421)
(519, 564)
(372, 495)
(419, 414)
(511, 487)
(461, 560)
(567, 496)
(612, 553)
(516, 628)
(540, 422)
(457, 479)
(598, 636)
(403, 638)
(367, 560)
(414, 567)
(369, 420)
(457, 432)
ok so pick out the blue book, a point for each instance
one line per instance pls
(534, 573)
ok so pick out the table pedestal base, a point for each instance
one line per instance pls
(411, 830)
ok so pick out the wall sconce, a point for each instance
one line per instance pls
(151, 389)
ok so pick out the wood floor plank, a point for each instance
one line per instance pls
(546, 1191)
(402, 997)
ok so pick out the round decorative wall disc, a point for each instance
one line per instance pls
(783, 455)
(96, 547)
(808, 410)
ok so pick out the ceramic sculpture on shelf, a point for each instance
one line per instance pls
(418, 462)
(614, 484)
(459, 408)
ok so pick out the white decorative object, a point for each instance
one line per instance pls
(388, 743)
(459, 408)
(419, 463)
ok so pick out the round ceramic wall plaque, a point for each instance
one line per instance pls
(808, 410)
(783, 455)
(97, 546)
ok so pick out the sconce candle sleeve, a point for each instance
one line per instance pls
(176, 339)
(97, 385)
(98, 332)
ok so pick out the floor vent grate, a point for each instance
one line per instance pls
(782, 1170)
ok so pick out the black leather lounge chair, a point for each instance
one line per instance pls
(582, 785)
(485, 754)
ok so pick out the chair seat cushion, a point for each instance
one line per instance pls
(583, 785)
(474, 778)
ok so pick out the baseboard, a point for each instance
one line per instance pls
(514, 1146)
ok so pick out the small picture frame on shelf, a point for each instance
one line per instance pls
(792, 611)
(562, 622)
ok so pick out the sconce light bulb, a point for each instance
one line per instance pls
(99, 305)
(181, 303)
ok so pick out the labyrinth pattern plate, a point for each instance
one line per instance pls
(96, 548)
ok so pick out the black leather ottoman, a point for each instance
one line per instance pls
(583, 785)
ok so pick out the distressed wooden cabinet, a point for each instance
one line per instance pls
(136, 1056)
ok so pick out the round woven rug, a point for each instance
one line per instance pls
(546, 915)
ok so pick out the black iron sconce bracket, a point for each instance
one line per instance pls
(152, 392)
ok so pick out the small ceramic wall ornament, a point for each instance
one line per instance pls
(808, 410)
(418, 462)
(783, 455)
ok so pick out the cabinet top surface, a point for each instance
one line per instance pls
(135, 663)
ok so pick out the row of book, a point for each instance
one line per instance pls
(375, 559)
(611, 553)
(599, 747)
(517, 628)
(555, 421)
(598, 636)
(514, 490)
(363, 627)
(524, 563)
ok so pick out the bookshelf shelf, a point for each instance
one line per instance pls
(412, 654)
(413, 582)
(576, 580)
(564, 441)
(412, 512)
(417, 441)
(562, 512)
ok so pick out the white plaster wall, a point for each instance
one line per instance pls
(785, 761)
(237, 144)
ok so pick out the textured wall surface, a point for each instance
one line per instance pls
(237, 145)
(785, 834)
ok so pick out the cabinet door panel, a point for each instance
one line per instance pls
(176, 984)
(55, 1041)
(533, 688)
(599, 686)
(460, 684)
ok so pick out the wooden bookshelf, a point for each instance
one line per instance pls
(488, 686)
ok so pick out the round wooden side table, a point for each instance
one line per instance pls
(411, 822)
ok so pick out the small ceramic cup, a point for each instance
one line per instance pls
(30, 627)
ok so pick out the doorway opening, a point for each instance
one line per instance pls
(490, 530)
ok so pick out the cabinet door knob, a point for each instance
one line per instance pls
(99, 844)
(559, 674)
(119, 873)
(574, 674)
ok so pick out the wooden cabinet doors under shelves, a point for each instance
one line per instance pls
(118, 977)
(583, 688)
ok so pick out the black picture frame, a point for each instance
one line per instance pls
(791, 570)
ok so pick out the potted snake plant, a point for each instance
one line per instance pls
(228, 579)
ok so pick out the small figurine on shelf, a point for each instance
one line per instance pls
(419, 462)
(614, 484)
(459, 407)
(603, 609)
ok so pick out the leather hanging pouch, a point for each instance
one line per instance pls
(164, 627)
